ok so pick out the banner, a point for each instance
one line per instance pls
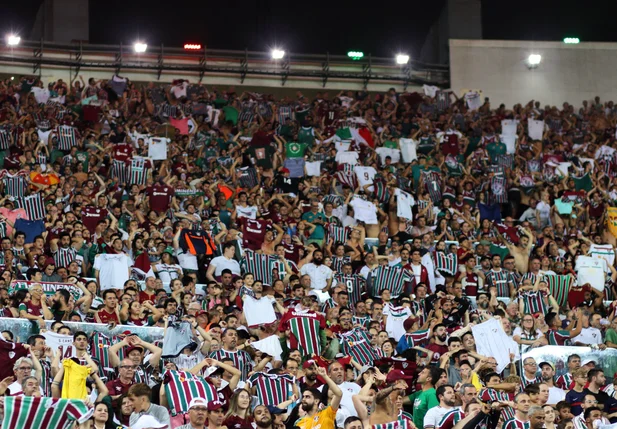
(23, 328)
(491, 340)
(612, 220)
(558, 356)
(48, 287)
(188, 193)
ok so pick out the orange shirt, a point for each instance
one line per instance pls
(325, 419)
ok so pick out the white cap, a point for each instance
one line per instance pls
(196, 402)
(147, 422)
(586, 361)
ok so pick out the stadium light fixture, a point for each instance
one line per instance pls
(571, 40)
(192, 46)
(533, 60)
(277, 54)
(402, 59)
(13, 40)
(140, 47)
(355, 55)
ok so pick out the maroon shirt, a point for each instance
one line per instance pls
(160, 197)
(90, 217)
(107, 317)
(116, 387)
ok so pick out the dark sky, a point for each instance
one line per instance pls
(317, 26)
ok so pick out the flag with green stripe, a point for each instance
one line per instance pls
(559, 287)
(306, 331)
(272, 389)
(182, 386)
(43, 413)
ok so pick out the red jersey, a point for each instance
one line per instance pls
(9, 353)
(145, 296)
(160, 197)
(91, 216)
(470, 283)
(116, 387)
(292, 251)
(122, 151)
(438, 351)
(107, 317)
(253, 232)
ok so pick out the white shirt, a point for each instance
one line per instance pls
(588, 336)
(434, 416)
(319, 275)
(259, 311)
(365, 175)
(555, 394)
(346, 408)
(168, 272)
(113, 270)
(248, 211)
(221, 263)
(186, 260)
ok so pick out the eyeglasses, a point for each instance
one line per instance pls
(27, 368)
(530, 363)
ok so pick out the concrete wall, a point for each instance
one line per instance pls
(459, 19)
(571, 73)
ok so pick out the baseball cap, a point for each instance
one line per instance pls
(397, 374)
(546, 363)
(285, 170)
(130, 349)
(169, 250)
(197, 402)
(215, 405)
(587, 361)
(309, 363)
(408, 323)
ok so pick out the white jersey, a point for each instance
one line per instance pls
(365, 175)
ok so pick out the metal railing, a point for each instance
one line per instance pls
(205, 61)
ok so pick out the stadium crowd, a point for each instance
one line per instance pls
(350, 260)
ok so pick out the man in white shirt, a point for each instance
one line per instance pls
(321, 276)
(591, 333)
(446, 396)
(227, 261)
(555, 394)
(337, 372)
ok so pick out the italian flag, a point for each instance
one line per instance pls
(360, 135)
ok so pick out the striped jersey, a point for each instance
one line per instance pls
(64, 256)
(33, 205)
(15, 186)
(355, 285)
(558, 337)
(182, 386)
(535, 302)
(446, 264)
(565, 381)
(272, 389)
(391, 278)
(413, 339)
(43, 413)
(240, 358)
(515, 423)
(5, 138)
(451, 418)
(338, 262)
(357, 344)
(259, 265)
(67, 137)
(305, 327)
(499, 279)
(559, 287)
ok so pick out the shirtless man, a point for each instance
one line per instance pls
(522, 251)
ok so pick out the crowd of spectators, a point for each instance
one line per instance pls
(312, 262)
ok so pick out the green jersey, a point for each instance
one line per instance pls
(306, 135)
(422, 401)
(295, 150)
